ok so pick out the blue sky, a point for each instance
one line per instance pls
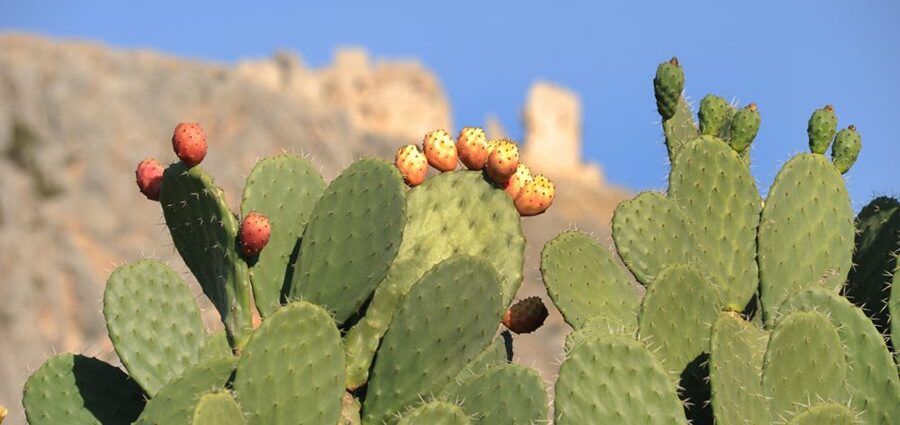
(789, 57)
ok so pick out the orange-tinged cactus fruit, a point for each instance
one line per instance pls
(472, 147)
(412, 165)
(535, 197)
(440, 151)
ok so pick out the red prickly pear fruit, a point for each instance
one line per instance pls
(412, 165)
(525, 316)
(440, 151)
(519, 179)
(149, 176)
(535, 197)
(472, 146)
(254, 233)
(189, 143)
(502, 162)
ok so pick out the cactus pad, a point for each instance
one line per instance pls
(677, 315)
(679, 129)
(175, 403)
(584, 280)
(217, 408)
(505, 394)
(446, 215)
(352, 238)
(871, 377)
(73, 389)
(667, 87)
(736, 355)
(651, 232)
(153, 322)
(292, 370)
(713, 187)
(612, 380)
(806, 231)
(874, 259)
(714, 114)
(824, 414)
(445, 321)
(285, 188)
(598, 326)
(493, 355)
(205, 234)
(435, 413)
(804, 362)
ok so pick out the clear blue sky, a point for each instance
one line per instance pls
(789, 57)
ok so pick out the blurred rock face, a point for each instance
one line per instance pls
(75, 119)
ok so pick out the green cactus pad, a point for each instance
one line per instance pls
(352, 238)
(350, 408)
(217, 408)
(806, 231)
(205, 234)
(584, 280)
(894, 309)
(713, 187)
(736, 356)
(872, 375)
(445, 321)
(875, 258)
(452, 213)
(599, 326)
(804, 363)
(615, 380)
(825, 414)
(744, 126)
(679, 129)
(821, 128)
(651, 232)
(285, 188)
(292, 370)
(505, 394)
(493, 355)
(667, 87)
(215, 346)
(715, 112)
(174, 404)
(677, 315)
(73, 389)
(153, 322)
(435, 413)
(845, 149)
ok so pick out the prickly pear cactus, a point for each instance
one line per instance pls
(742, 308)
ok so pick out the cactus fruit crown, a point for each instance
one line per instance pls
(355, 301)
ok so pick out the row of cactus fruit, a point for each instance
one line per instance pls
(381, 293)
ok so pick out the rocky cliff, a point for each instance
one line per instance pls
(76, 117)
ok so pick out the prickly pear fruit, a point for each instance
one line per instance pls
(412, 165)
(667, 87)
(519, 179)
(502, 162)
(255, 232)
(189, 143)
(525, 316)
(440, 151)
(535, 197)
(713, 114)
(821, 128)
(744, 127)
(472, 146)
(3, 413)
(847, 144)
(149, 175)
